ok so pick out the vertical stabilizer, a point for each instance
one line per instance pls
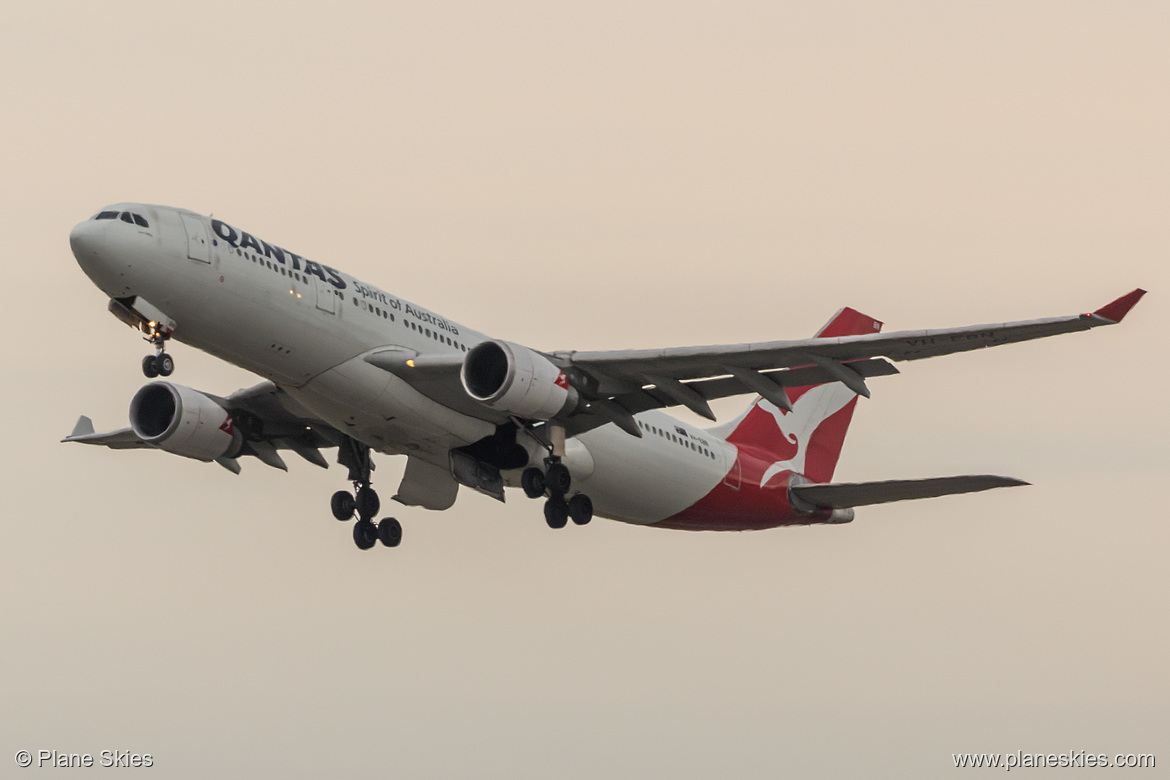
(808, 439)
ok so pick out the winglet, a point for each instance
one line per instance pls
(84, 427)
(1116, 311)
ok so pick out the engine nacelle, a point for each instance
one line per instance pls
(184, 422)
(516, 380)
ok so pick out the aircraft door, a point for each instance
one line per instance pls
(326, 297)
(197, 248)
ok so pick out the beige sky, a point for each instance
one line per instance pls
(604, 177)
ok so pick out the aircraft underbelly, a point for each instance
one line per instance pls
(383, 411)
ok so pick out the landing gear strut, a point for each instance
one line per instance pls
(555, 482)
(160, 363)
(363, 501)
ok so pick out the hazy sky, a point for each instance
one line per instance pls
(600, 176)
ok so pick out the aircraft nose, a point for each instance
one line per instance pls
(100, 257)
(86, 239)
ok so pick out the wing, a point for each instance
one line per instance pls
(626, 367)
(614, 386)
(436, 377)
(121, 439)
(691, 375)
(271, 420)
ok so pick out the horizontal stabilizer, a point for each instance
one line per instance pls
(839, 495)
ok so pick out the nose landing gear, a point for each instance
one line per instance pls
(160, 363)
(363, 501)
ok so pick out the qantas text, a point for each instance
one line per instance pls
(238, 239)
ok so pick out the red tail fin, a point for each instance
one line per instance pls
(808, 439)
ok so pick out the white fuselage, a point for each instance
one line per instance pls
(306, 327)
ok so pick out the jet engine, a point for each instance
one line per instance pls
(516, 380)
(184, 422)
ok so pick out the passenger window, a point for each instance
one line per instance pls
(126, 217)
(140, 221)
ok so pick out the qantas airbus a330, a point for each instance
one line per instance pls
(350, 366)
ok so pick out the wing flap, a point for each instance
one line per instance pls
(721, 387)
(841, 495)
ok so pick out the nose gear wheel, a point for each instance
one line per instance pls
(160, 363)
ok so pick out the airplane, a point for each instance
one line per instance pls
(347, 365)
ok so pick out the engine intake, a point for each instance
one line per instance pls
(516, 380)
(184, 422)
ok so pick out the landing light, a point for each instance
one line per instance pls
(410, 362)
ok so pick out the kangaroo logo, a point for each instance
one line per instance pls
(798, 426)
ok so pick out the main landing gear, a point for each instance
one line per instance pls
(160, 363)
(555, 482)
(363, 501)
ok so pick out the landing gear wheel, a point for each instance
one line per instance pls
(343, 505)
(165, 364)
(557, 479)
(364, 534)
(390, 532)
(581, 509)
(556, 512)
(367, 503)
(149, 367)
(532, 480)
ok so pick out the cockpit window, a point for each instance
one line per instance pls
(126, 216)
